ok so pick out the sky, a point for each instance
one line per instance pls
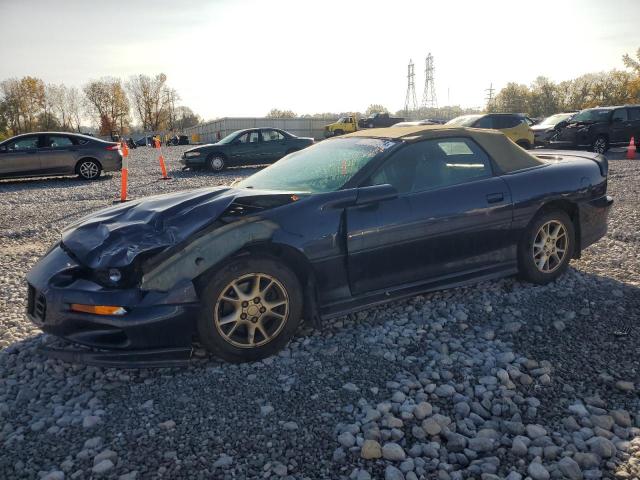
(243, 58)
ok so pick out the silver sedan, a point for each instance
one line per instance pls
(42, 154)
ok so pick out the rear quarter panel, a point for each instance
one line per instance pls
(577, 181)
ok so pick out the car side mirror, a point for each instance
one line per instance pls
(376, 193)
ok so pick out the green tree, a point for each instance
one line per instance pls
(543, 97)
(513, 98)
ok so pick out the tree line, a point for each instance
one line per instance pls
(108, 103)
(545, 97)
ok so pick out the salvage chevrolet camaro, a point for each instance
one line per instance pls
(347, 223)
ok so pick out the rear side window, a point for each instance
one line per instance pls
(432, 164)
(507, 121)
(619, 115)
(634, 114)
(485, 122)
(57, 141)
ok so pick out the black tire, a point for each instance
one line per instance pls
(528, 269)
(88, 169)
(524, 144)
(338, 133)
(216, 162)
(215, 308)
(600, 144)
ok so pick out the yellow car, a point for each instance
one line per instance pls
(514, 126)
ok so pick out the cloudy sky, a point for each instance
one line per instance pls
(242, 58)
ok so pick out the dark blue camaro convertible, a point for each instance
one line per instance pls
(342, 225)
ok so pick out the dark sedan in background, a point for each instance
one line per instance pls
(58, 153)
(254, 146)
(350, 222)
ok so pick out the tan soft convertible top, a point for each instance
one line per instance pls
(507, 155)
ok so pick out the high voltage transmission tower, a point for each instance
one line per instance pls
(429, 99)
(489, 91)
(411, 91)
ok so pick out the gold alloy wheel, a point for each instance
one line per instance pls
(251, 310)
(550, 246)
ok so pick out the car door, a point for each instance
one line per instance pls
(58, 154)
(634, 118)
(246, 148)
(20, 156)
(451, 216)
(274, 145)
(621, 127)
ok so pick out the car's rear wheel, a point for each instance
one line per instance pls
(600, 144)
(546, 247)
(338, 133)
(88, 169)
(216, 163)
(251, 308)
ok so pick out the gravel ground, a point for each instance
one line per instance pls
(503, 379)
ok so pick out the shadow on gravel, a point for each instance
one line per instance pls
(41, 183)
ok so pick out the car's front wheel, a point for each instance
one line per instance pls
(251, 308)
(216, 163)
(88, 169)
(546, 247)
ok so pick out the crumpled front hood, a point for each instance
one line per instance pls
(115, 236)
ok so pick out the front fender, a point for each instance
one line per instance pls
(205, 252)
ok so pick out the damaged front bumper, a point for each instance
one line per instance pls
(153, 320)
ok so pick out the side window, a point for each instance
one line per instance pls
(28, 143)
(619, 115)
(434, 164)
(272, 136)
(485, 122)
(57, 141)
(249, 137)
(634, 114)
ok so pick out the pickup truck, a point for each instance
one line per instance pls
(378, 120)
(344, 125)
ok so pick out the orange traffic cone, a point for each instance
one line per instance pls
(163, 167)
(124, 173)
(631, 149)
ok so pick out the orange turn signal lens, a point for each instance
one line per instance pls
(98, 309)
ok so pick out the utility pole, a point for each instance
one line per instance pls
(410, 100)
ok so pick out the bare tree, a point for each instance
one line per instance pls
(150, 100)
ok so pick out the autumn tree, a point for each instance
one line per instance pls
(375, 108)
(23, 103)
(108, 104)
(276, 113)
